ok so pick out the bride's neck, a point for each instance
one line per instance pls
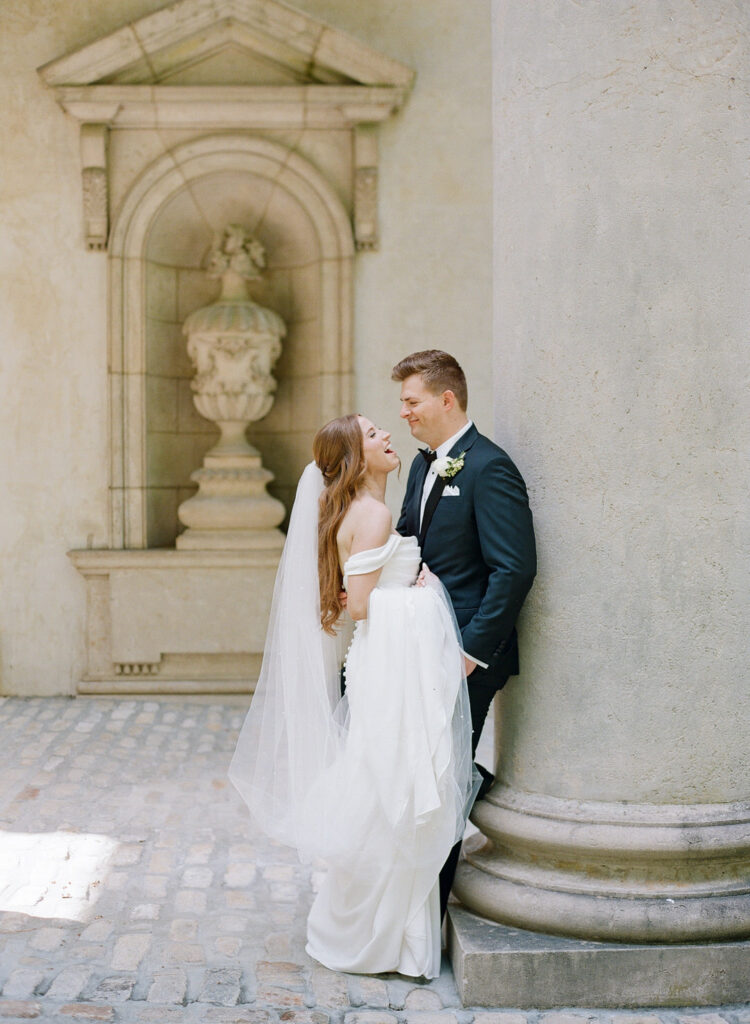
(374, 485)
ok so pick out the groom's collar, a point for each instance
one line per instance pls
(446, 447)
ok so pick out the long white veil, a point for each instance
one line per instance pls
(290, 735)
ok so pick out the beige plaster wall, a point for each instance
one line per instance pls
(622, 234)
(429, 285)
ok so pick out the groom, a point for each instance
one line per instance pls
(467, 504)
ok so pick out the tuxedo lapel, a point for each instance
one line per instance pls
(463, 444)
(416, 499)
(429, 510)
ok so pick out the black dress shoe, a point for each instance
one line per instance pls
(488, 780)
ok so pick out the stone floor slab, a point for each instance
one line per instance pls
(173, 905)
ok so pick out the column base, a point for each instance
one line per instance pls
(609, 872)
(495, 965)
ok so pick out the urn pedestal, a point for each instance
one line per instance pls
(231, 510)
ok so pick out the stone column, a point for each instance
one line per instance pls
(622, 235)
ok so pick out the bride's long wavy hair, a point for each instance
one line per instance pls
(339, 454)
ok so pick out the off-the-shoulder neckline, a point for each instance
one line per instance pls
(371, 551)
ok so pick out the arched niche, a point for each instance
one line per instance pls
(158, 242)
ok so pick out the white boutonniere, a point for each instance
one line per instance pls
(447, 467)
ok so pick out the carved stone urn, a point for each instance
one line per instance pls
(233, 344)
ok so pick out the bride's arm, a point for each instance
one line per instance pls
(368, 531)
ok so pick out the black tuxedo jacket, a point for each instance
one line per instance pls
(477, 535)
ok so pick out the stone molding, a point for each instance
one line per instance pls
(103, 561)
(157, 184)
(610, 871)
(136, 668)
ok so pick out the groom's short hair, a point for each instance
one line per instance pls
(439, 371)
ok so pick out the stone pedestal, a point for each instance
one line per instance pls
(175, 621)
(497, 965)
(622, 806)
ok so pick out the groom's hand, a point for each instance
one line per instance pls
(469, 666)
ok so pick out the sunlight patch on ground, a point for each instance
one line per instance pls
(53, 874)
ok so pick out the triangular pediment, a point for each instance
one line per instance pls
(211, 61)
(227, 42)
(227, 64)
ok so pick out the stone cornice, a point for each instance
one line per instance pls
(232, 106)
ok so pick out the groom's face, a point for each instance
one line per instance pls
(427, 414)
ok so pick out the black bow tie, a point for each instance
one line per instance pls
(427, 454)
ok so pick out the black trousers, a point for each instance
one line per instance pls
(480, 698)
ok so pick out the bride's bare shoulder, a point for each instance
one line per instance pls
(367, 524)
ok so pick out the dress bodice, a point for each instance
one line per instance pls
(399, 559)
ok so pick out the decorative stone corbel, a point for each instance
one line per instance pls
(365, 187)
(95, 187)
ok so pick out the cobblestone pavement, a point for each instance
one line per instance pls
(133, 888)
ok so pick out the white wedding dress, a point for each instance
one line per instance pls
(375, 785)
(392, 802)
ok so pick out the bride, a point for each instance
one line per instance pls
(376, 784)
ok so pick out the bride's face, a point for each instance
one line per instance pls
(379, 456)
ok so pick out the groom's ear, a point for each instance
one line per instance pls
(449, 400)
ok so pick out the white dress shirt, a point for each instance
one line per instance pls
(441, 451)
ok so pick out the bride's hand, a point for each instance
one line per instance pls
(426, 578)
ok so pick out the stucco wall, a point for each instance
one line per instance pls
(429, 285)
